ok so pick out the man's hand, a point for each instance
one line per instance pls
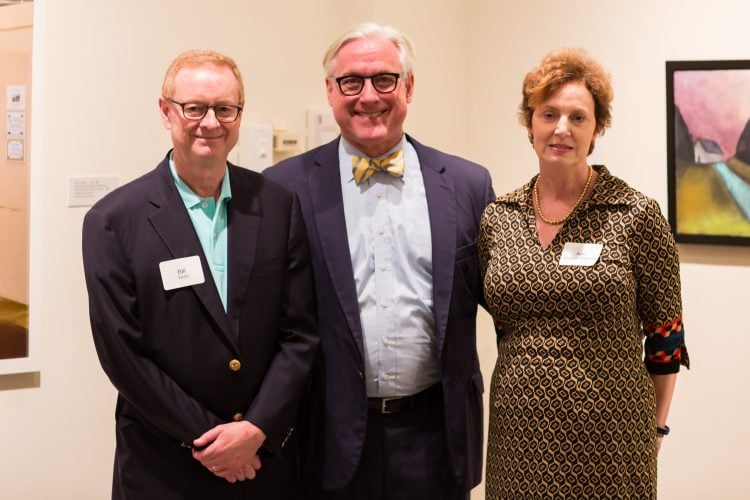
(231, 450)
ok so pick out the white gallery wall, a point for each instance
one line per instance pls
(98, 66)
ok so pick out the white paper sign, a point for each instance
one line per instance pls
(85, 191)
(178, 273)
(580, 254)
(15, 97)
(15, 149)
(15, 123)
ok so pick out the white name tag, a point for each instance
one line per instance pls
(178, 273)
(580, 254)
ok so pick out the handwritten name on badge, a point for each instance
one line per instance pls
(178, 273)
(580, 254)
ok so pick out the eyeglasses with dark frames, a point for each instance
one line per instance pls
(385, 83)
(225, 113)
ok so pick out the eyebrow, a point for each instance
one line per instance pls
(379, 72)
(557, 108)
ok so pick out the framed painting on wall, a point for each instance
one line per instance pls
(18, 344)
(708, 151)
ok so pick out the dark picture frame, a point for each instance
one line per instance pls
(708, 151)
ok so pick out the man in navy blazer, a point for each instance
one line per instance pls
(201, 304)
(392, 226)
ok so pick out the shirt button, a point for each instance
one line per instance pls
(237, 417)
(385, 305)
(386, 340)
(381, 231)
(386, 376)
(383, 268)
(235, 365)
(379, 195)
(204, 204)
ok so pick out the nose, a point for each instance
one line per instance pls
(562, 126)
(368, 92)
(209, 120)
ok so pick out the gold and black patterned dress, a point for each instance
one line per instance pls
(572, 407)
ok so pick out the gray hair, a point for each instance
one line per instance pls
(371, 30)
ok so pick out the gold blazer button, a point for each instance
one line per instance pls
(237, 417)
(235, 365)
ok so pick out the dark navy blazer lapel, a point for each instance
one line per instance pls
(172, 222)
(441, 205)
(243, 221)
(327, 201)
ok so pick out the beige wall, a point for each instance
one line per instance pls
(15, 69)
(97, 71)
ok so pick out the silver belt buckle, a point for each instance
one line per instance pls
(383, 402)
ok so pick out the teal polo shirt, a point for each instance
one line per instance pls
(209, 218)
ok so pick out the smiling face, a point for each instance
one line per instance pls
(370, 121)
(204, 142)
(563, 126)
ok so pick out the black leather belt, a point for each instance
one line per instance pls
(404, 403)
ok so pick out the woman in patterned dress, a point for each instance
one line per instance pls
(578, 269)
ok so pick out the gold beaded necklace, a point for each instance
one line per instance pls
(557, 222)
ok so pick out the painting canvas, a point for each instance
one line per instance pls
(708, 143)
(18, 344)
(14, 329)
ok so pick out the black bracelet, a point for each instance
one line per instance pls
(662, 431)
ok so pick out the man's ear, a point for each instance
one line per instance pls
(330, 89)
(164, 111)
(409, 83)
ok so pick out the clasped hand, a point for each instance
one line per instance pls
(231, 450)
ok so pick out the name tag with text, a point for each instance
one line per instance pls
(580, 254)
(178, 273)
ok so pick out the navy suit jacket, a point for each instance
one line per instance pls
(172, 355)
(457, 192)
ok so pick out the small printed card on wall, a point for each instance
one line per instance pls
(15, 149)
(15, 96)
(84, 191)
(15, 123)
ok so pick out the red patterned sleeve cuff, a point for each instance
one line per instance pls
(665, 347)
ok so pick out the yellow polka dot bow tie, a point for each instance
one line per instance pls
(364, 167)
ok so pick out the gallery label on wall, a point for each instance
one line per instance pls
(84, 191)
(15, 123)
(15, 96)
(15, 149)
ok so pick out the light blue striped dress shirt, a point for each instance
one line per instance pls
(209, 218)
(388, 228)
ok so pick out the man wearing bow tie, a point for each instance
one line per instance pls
(393, 227)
